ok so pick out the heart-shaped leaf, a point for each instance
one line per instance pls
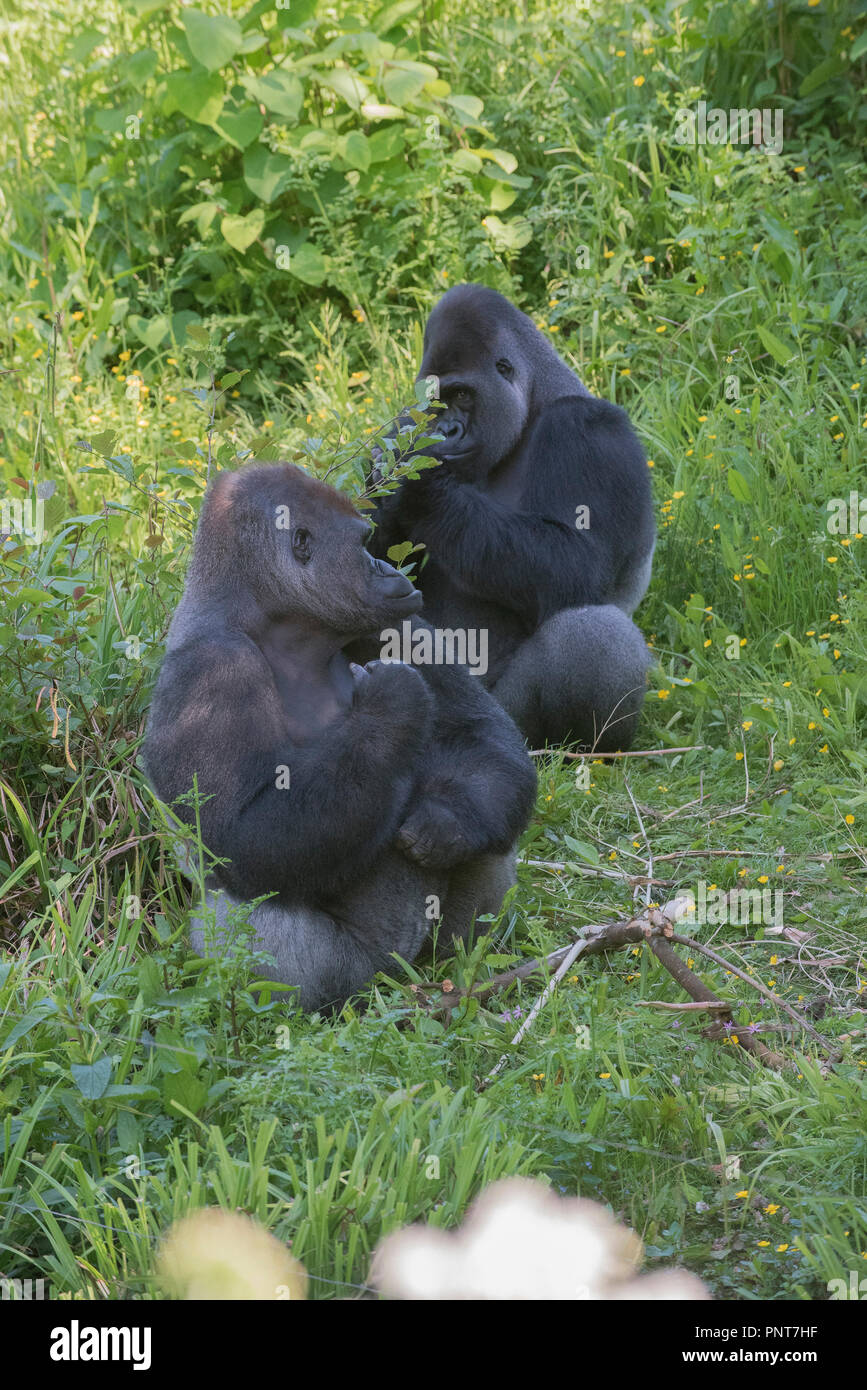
(213, 38)
(92, 1080)
(356, 151)
(279, 91)
(308, 264)
(197, 95)
(241, 232)
(266, 173)
(242, 127)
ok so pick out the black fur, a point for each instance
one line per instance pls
(525, 446)
(404, 783)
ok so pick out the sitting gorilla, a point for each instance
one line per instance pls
(368, 798)
(538, 523)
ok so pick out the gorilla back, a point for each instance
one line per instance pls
(369, 800)
(538, 523)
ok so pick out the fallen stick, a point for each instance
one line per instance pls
(755, 984)
(694, 1006)
(630, 753)
(656, 927)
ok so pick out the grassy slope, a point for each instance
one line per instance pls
(333, 1132)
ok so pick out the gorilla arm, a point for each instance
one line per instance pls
(581, 452)
(479, 798)
(478, 787)
(216, 713)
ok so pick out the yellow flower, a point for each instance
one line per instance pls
(638, 81)
(850, 819)
(677, 495)
(747, 724)
(739, 757)
(663, 328)
(763, 878)
(778, 763)
(604, 1075)
(663, 694)
(648, 260)
(743, 1193)
(832, 559)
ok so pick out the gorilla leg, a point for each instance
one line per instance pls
(329, 954)
(477, 889)
(580, 677)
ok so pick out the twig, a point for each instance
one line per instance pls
(700, 992)
(630, 753)
(571, 956)
(647, 843)
(695, 1005)
(755, 984)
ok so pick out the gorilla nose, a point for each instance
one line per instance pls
(451, 429)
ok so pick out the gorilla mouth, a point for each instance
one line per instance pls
(409, 603)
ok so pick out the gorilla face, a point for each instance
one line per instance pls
(483, 383)
(291, 535)
(369, 593)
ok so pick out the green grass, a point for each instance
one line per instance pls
(724, 307)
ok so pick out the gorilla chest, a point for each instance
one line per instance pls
(446, 605)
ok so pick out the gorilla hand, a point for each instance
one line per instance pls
(393, 692)
(432, 837)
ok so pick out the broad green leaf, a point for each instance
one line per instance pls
(371, 111)
(468, 108)
(502, 197)
(738, 486)
(202, 214)
(150, 331)
(345, 84)
(197, 95)
(403, 81)
(213, 38)
(241, 232)
(187, 1090)
(385, 144)
(279, 91)
(356, 151)
(266, 173)
(466, 162)
(828, 68)
(507, 162)
(140, 67)
(308, 264)
(242, 127)
(780, 351)
(509, 236)
(92, 1080)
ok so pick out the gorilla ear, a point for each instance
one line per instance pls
(505, 368)
(302, 545)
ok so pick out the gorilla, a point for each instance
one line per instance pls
(537, 523)
(371, 798)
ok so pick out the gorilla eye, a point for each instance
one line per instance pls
(504, 367)
(302, 545)
(462, 395)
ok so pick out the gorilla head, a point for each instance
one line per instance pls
(282, 539)
(495, 372)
